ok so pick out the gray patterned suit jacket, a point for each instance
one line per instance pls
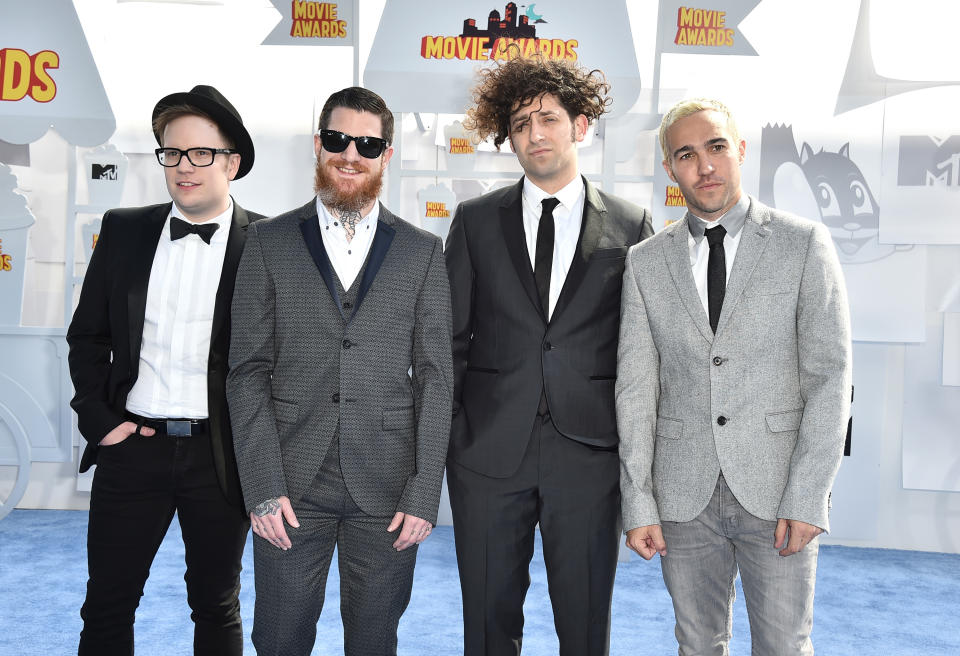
(303, 368)
(766, 400)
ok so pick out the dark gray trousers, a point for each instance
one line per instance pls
(375, 579)
(573, 492)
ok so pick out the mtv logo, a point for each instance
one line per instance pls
(929, 162)
(103, 172)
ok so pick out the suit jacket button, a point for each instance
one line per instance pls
(347, 305)
(347, 343)
(718, 360)
(335, 398)
(721, 420)
(547, 346)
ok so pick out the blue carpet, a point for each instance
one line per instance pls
(869, 601)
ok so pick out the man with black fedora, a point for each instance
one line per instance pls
(148, 357)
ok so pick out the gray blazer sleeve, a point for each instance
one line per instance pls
(824, 355)
(433, 391)
(255, 438)
(637, 396)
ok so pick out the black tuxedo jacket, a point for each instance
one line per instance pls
(107, 327)
(504, 350)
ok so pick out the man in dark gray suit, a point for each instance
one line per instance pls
(535, 275)
(337, 445)
(733, 395)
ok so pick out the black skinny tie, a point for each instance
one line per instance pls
(716, 273)
(543, 258)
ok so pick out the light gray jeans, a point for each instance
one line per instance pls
(703, 557)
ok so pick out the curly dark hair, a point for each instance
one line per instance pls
(509, 85)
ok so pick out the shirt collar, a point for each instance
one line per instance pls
(732, 221)
(327, 219)
(568, 195)
(223, 220)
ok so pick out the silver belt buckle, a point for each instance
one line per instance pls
(179, 428)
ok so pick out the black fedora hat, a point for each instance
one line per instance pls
(212, 102)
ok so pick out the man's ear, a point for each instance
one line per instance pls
(387, 154)
(233, 165)
(666, 167)
(580, 124)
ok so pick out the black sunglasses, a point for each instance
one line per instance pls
(337, 142)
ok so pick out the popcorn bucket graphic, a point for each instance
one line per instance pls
(15, 222)
(105, 168)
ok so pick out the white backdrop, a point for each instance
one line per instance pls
(905, 432)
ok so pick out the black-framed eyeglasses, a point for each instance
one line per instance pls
(337, 142)
(170, 157)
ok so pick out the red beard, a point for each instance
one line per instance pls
(346, 201)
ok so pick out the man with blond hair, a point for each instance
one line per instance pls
(733, 395)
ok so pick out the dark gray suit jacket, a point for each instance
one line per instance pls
(505, 352)
(299, 373)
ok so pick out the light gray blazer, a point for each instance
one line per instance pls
(778, 371)
(302, 368)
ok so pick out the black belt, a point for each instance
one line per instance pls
(172, 427)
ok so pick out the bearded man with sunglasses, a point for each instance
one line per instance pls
(337, 444)
(148, 358)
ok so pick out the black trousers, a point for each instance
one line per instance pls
(138, 485)
(573, 491)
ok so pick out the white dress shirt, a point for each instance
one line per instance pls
(567, 217)
(732, 222)
(178, 321)
(347, 257)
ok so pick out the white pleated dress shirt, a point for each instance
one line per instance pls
(172, 381)
(567, 217)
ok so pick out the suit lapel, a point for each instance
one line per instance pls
(752, 242)
(378, 251)
(310, 227)
(141, 262)
(511, 223)
(677, 253)
(591, 229)
(231, 260)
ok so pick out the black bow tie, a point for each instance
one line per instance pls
(180, 228)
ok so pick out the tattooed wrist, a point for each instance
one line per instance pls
(268, 507)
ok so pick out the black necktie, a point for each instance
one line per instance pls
(543, 259)
(716, 273)
(180, 228)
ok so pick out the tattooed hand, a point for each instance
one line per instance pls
(267, 521)
(268, 507)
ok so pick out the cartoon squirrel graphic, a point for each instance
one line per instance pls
(824, 185)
